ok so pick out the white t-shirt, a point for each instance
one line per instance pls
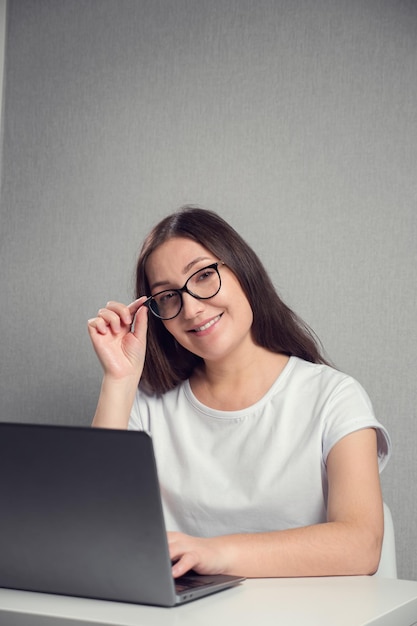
(257, 469)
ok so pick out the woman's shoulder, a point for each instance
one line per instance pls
(322, 385)
(319, 374)
(148, 395)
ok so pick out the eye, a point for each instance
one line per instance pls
(205, 274)
(165, 297)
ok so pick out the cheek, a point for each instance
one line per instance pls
(170, 327)
(241, 302)
(248, 314)
(241, 312)
(175, 331)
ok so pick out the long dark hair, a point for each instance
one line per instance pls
(275, 326)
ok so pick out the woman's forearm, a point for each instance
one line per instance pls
(328, 549)
(115, 403)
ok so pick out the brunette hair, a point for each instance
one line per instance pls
(275, 326)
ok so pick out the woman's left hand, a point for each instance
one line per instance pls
(203, 555)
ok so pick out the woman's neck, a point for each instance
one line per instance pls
(231, 386)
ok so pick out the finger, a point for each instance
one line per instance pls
(184, 565)
(140, 323)
(137, 304)
(97, 324)
(111, 318)
(121, 310)
(182, 556)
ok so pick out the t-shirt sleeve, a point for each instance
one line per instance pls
(348, 410)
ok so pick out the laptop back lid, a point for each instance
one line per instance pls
(80, 514)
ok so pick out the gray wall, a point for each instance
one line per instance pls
(296, 120)
(2, 46)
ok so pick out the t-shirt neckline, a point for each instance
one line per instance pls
(253, 409)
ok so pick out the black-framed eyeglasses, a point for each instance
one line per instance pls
(203, 285)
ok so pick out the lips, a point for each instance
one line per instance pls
(207, 325)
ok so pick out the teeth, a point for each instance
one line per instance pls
(205, 326)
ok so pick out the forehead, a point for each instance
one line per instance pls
(175, 258)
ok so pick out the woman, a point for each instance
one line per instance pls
(268, 458)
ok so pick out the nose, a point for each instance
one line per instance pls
(191, 306)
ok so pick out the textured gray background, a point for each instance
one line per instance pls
(295, 119)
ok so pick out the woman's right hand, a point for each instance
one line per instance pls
(118, 335)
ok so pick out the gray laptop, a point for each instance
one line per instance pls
(81, 515)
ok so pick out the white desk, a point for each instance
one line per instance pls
(343, 601)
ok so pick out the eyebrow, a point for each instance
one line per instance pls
(185, 270)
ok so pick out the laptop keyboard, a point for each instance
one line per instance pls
(184, 583)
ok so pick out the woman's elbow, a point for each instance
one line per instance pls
(369, 553)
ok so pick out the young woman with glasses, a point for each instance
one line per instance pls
(268, 457)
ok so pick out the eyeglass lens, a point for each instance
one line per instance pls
(203, 284)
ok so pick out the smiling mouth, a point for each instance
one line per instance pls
(206, 326)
